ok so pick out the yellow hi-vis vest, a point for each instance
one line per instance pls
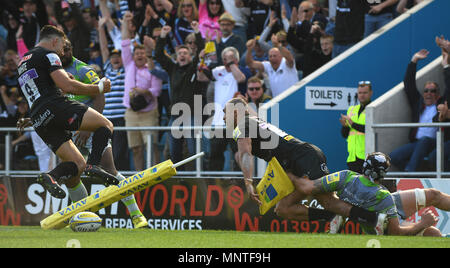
(356, 140)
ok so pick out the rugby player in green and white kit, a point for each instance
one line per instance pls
(83, 140)
(366, 192)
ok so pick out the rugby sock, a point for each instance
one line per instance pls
(315, 214)
(64, 170)
(78, 192)
(363, 216)
(99, 141)
(129, 201)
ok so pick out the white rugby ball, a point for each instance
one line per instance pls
(85, 222)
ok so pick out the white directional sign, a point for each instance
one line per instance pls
(330, 98)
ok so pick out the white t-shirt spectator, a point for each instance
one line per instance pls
(280, 79)
(224, 88)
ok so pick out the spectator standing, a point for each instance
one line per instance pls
(404, 5)
(114, 31)
(183, 85)
(138, 80)
(226, 37)
(354, 125)
(349, 28)
(380, 13)
(90, 17)
(260, 11)
(12, 26)
(75, 28)
(209, 14)
(315, 57)
(280, 68)
(114, 109)
(240, 15)
(33, 18)
(226, 84)
(423, 139)
(187, 13)
(307, 17)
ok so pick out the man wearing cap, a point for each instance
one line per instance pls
(227, 38)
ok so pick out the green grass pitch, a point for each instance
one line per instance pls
(35, 237)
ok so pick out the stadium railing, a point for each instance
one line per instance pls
(439, 173)
(198, 172)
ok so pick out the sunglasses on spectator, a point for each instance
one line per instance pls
(430, 90)
(214, 3)
(306, 10)
(254, 88)
(364, 83)
(186, 5)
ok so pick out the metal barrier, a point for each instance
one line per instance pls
(439, 148)
(198, 131)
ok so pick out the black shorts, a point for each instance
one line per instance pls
(309, 161)
(55, 121)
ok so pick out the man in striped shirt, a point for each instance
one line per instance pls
(115, 110)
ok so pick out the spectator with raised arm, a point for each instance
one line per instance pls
(408, 157)
(139, 81)
(114, 109)
(183, 87)
(187, 13)
(280, 68)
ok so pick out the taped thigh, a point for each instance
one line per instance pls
(421, 198)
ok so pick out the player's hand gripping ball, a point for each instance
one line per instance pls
(85, 222)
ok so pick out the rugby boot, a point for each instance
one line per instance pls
(94, 171)
(336, 223)
(51, 185)
(379, 228)
(139, 221)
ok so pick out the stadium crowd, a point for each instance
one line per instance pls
(169, 51)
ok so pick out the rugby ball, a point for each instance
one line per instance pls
(85, 222)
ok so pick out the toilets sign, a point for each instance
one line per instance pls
(330, 98)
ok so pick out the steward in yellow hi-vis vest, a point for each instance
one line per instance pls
(353, 127)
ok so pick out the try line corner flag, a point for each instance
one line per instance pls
(274, 186)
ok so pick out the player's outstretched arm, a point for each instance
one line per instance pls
(428, 219)
(246, 162)
(72, 86)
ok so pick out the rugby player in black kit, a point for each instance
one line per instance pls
(302, 161)
(53, 116)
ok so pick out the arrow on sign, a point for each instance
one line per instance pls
(331, 104)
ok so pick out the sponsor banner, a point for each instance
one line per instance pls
(176, 204)
(442, 185)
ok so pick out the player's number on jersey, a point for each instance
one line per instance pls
(27, 84)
